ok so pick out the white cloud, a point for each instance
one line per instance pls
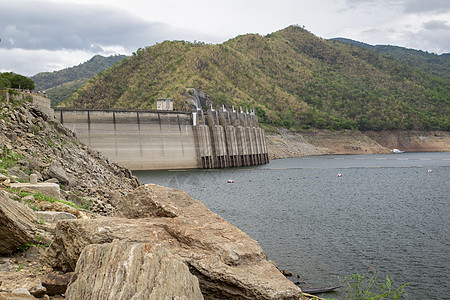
(66, 25)
(30, 62)
(120, 27)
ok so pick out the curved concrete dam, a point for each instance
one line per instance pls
(158, 140)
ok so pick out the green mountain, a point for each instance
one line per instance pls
(291, 78)
(60, 85)
(430, 63)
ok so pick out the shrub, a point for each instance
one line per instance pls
(370, 287)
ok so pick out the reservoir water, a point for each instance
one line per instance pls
(389, 212)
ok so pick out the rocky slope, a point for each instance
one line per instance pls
(32, 142)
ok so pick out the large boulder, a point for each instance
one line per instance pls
(227, 262)
(57, 171)
(17, 223)
(132, 271)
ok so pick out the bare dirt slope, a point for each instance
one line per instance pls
(285, 144)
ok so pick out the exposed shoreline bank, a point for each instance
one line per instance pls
(286, 144)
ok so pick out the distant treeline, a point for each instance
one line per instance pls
(15, 81)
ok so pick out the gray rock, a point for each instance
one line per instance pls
(49, 189)
(54, 216)
(56, 284)
(57, 171)
(38, 291)
(18, 173)
(28, 198)
(52, 180)
(33, 178)
(20, 291)
(17, 223)
(123, 270)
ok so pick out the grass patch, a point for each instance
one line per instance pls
(50, 143)
(9, 158)
(371, 287)
(37, 242)
(40, 197)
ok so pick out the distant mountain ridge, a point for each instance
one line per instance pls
(430, 63)
(290, 77)
(60, 85)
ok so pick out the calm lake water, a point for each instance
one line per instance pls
(387, 212)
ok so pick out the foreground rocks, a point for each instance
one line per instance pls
(226, 261)
(132, 271)
(17, 223)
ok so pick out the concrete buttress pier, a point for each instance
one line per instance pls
(157, 140)
(232, 139)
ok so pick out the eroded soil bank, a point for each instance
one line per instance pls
(286, 144)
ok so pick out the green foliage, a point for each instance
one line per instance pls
(370, 287)
(15, 81)
(50, 143)
(84, 204)
(37, 242)
(4, 83)
(9, 158)
(20, 267)
(22, 82)
(430, 63)
(291, 77)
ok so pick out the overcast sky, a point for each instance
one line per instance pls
(48, 35)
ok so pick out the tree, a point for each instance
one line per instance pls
(4, 83)
(364, 123)
(22, 82)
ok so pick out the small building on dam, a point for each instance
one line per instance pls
(158, 140)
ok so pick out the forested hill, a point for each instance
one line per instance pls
(60, 85)
(291, 77)
(430, 63)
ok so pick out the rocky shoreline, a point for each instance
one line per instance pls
(286, 144)
(107, 236)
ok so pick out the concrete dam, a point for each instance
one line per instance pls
(159, 140)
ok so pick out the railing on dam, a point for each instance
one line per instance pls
(152, 140)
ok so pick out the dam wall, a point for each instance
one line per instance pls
(139, 140)
(158, 140)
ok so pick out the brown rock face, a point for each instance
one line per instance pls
(17, 223)
(132, 271)
(227, 262)
(56, 284)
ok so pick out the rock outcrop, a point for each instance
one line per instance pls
(226, 261)
(132, 271)
(17, 223)
(35, 143)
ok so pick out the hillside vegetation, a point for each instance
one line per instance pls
(60, 85)
(291, 77)
(430, 63)
(10, 80)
